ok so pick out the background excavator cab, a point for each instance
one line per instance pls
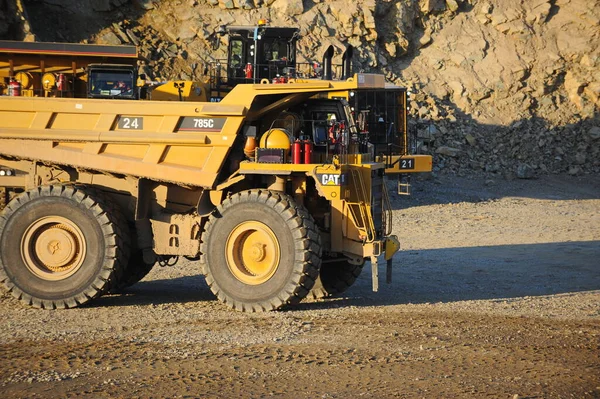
(260, 52)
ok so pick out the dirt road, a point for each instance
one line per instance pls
(495, 294)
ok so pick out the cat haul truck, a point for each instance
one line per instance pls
(98, 190)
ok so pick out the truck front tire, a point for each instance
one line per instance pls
(260, 251)
(60, 247)
(334, 278)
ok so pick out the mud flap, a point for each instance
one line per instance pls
(392, 245)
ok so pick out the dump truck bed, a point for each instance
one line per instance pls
(178, 142)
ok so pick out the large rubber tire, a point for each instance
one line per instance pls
(335, 278)
(260, 251)
(60, 247)
(135, 270)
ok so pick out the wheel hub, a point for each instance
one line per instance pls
(252, 252)
(258, 252)
(57, 247)
(53, 248)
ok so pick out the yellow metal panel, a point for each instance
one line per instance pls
(222, 109)
(70, 146)
(41, 120)
(186, 156)
(74, 121)
(105, 121)
(337, 216)
(155, 153)
(168, 123)
(274, 168)
(125, 150)
(13, 181)
(105, 106)
(92, 148)
(110, 136)
(16, 119)
(71, 154)
(216, 160)
(313, 84)
(421, 163)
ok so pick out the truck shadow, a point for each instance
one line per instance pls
(446, 189)
(159, 291)
(480, 273)
(420, 276)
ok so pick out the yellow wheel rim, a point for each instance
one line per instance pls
(53, 248)
(253, 253)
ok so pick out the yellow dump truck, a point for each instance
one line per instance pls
(273, 199)
(272, 181)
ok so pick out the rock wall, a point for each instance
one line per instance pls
(506, 87)
(14, 24)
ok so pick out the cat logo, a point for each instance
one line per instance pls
(330, 179)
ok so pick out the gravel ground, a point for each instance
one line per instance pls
(496, 293)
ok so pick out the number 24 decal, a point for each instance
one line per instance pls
(131, 123)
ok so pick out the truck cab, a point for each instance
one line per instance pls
(260, 52)
(112, 81)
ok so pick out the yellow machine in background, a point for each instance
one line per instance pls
(33, 69)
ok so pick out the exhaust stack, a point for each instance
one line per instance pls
(327, 74)
(347, 63)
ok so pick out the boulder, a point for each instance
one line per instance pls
(288, 7)
(448, 151)
(525, 171)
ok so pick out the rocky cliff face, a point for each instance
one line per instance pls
(14, 22)
(506, 87)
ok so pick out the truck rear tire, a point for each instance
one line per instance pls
(60, 247)
(260, 251)
(135, 270)
(335, 278)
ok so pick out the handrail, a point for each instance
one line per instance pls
(363, 206)
(387, 210)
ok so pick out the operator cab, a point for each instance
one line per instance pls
(261, 52)
(112, 81)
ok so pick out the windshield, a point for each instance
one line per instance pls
(277, 50)
(111, 82)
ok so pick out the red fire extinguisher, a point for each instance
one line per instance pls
(249, 69)
(61, 84)
(297, 152)
(280, 79)
(14, 88)
(308, 149)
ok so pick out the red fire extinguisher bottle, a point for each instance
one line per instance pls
(297, 152)
(249, 70)
(308, 150)
(14, 88)
(61, 84)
